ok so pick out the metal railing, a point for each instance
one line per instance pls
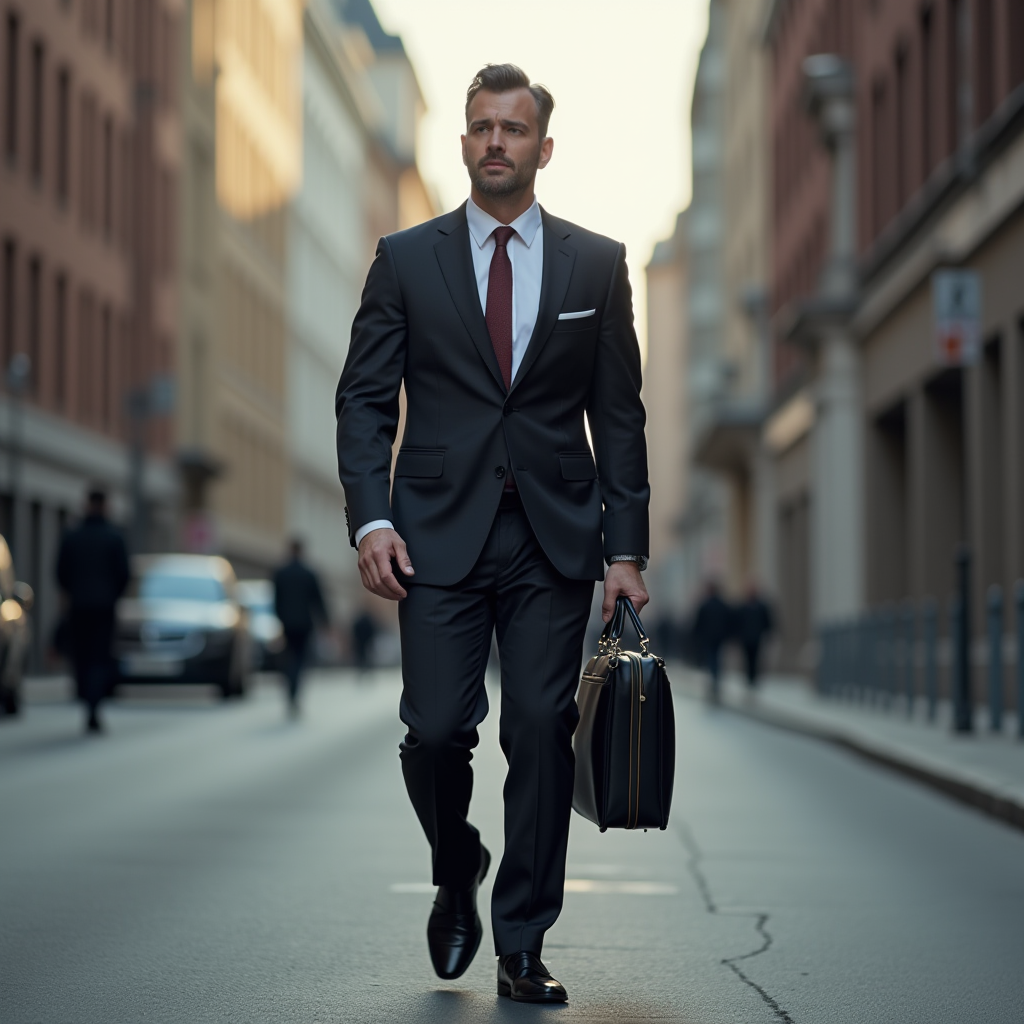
(898, 654)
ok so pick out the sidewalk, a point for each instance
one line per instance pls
(981, 769)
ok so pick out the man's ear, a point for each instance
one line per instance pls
(465, 159)
(547, 147)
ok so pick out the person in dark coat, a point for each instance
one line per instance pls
(299, 604)
(754, 621)
(712, 627)
(364, 632)
(93, 572)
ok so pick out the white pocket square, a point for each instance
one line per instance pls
(577, 316)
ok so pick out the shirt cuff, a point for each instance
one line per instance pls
(377, 524)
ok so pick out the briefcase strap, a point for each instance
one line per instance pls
(611, 637)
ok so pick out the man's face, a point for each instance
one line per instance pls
(502, 148)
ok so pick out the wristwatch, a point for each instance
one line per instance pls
(641, 560)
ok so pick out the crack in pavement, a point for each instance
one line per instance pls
(760, 923)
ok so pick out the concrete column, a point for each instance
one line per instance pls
(837, 463)
(918, 479)
(837, 484)
(766, 520)
(47, 606)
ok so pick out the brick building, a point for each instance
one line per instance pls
(938, 97)
(87, 187)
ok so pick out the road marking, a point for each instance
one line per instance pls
(589, 886)
(602, 887)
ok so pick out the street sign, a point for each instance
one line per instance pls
(956, 301)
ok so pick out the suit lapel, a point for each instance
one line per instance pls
(559, 259)
(456, 261)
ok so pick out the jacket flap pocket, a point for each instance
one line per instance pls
(577, 466)
(419, 462)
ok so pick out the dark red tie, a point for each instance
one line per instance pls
(499, 302)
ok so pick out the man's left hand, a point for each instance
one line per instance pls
(623, 580)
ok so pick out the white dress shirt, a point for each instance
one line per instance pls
(526, 254)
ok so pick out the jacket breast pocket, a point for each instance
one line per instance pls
(581, 326)
(578, 466)
(422, 462)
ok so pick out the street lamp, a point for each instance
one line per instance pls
(143, 403)
(18, 372)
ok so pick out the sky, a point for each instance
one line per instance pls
(621, 72)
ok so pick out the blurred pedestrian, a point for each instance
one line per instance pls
(299, 604)
(364, 632)
(93, 572)
(753, 622)
(712, 627)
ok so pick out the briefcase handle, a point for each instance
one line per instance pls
(612, 633)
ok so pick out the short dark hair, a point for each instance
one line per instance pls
(96, 495)
(505, 78)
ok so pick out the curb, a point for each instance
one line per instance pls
(959, 787)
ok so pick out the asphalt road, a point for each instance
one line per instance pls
(211, 863)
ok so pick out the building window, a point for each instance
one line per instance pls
(108, 177)
(985, 61)
(902, 125)
(38, 111)
(35, 313)
(927, 79)
(60, 341)
(10, 286)
(1015, 42)
(63, 134)
(108, 25)
(87, 157)
(106, 365)
(961, 93)
(84, 363)
(878, 150)
(11, 118)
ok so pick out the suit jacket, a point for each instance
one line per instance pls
(420, 323)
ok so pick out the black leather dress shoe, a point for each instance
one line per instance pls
(454, 930)
(525, 979)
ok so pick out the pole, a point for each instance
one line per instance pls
(930, 659)
(963, 704)
(910, 654)
(1018, 594)
(17, 377)
(995, 657)
(138, 412)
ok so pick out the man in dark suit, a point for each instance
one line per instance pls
(510, 329)
(299, 604)
(92, 570)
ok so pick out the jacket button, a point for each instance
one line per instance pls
(507, 411)
(499, 471)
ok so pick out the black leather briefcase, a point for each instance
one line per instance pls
(625, 742)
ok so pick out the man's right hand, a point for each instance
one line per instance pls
(376, 550)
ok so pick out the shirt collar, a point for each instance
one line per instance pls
(481, 224)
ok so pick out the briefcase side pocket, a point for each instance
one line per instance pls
(589, 747)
